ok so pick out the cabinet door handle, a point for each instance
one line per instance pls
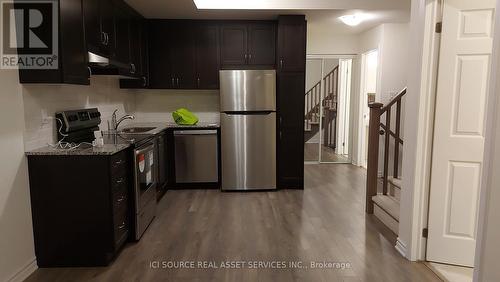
(121, 199)
(198, 81)
(122, 225)
(281, 63)
(132, 68)
(119, 181)
(144, 82)
(246, 57)
(177, 82)
(119, 162)
(103, 38)
(173, 82)
(90, 71)
(249, 56)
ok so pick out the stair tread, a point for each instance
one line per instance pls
(388, 204)
(397, 182)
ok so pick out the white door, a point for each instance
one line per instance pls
(464, 68)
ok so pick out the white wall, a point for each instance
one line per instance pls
(323, 38)
(16, 234)
(392, 41)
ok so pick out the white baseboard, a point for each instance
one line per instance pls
(24, 272)
(401, 247)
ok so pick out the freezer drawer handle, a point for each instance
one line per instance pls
(195, 132)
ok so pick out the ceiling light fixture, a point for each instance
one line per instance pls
(353, 20)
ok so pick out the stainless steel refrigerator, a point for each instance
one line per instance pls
(248, 129)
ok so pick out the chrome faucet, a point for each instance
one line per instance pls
(115, 123)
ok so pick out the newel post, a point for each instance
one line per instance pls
(373, 150)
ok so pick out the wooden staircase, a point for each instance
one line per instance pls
(315, 99)
(383, 194)
(386, 207)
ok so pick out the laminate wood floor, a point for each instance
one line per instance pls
(324, 223)
(311, 151)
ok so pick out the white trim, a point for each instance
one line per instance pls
(24, 272)
(401, 248)
(324, 57)
(418, 141)
(426, 132)
(417, 180)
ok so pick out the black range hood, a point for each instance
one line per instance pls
(100, 65)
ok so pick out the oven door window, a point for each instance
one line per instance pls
(145, 169)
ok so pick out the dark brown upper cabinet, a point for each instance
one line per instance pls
(72, 51)
(160, 72)
(172, 54)
(122, 35)
(233, 44)
(246, 44)
(291, 44)
(99, 26)
(184, 54)
(207, 56)
(261, 44)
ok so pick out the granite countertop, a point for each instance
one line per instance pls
(111, 148)
(106, 150)
(161, 126)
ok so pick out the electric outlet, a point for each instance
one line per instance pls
(45, 117)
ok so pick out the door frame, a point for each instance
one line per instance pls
(323, 57)
(362, 98)
(344, 106)
(424, 54)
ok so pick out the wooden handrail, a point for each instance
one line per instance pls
(394, 100)
(315, 85)
(375, 126)
(326, 76)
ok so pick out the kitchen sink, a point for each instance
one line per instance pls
(136, 129)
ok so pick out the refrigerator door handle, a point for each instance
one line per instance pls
(238, 113)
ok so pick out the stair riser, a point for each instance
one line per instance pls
(388, 221)
(395, 192)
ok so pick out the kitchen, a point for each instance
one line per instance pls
(121, 159)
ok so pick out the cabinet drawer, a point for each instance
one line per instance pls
(121, 230)
(118, 164)
(120, 203)
(119, 183)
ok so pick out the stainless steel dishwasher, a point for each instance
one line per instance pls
(196, 156)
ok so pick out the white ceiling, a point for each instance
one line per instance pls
(319, 12)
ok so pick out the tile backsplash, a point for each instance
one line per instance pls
(158, 105)
(42, 101)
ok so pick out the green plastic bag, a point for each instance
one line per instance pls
(184, 117)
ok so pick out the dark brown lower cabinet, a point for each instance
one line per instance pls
(80, 207)
(290, 102)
